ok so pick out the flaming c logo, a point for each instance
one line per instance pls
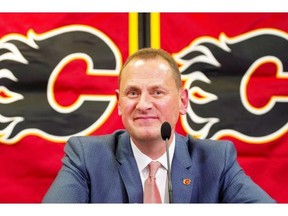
(237, 86)
(61, 83)
(49, 83)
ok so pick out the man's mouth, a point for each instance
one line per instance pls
(145, 118)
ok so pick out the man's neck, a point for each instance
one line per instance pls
(152, 148)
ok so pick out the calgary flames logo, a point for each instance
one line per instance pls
(61, 83)
(237, 86)
(47, 82)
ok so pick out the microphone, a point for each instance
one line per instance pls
(165, 134)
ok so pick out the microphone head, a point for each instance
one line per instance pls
(165, 131)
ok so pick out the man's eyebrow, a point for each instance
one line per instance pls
(130, 87)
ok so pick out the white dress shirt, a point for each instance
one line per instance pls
(143, 160)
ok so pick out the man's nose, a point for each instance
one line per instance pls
(144, 102)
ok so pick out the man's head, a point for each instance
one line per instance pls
(150, 93)
(150, 53)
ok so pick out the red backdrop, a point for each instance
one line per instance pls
(59, 80)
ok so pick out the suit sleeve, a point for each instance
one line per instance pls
(237, 186)
(72, 182)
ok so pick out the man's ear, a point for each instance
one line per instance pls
(117, 96)
(184, 101)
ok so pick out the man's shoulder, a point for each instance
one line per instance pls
(207, 152)
(209, 143)
(88, 143)
(208, 146)
(96, 147)
(112, 137)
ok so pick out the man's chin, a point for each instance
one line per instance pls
(147, 134)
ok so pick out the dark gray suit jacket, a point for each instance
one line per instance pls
(102, 169)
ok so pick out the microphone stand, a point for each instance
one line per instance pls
(169, 172)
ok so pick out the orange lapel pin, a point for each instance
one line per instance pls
(186, 181)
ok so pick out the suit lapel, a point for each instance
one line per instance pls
(128, 170)
(184, 174)
(184, 178)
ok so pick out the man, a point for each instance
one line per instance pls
(113, 168)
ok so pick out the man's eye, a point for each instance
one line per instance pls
(132, 93)
(158, 92)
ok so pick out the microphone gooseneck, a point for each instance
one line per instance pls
(165, 134)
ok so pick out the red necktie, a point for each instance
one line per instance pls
(151, 191)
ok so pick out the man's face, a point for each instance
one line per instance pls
(147, 97)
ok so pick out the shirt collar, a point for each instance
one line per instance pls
(143, 160)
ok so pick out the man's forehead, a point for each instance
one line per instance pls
(138, 62)
(146, 69)
(152, 81)
(157, 63)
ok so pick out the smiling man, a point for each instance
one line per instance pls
(120, 167)
(150, 93)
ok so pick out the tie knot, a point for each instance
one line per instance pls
(153, 168)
